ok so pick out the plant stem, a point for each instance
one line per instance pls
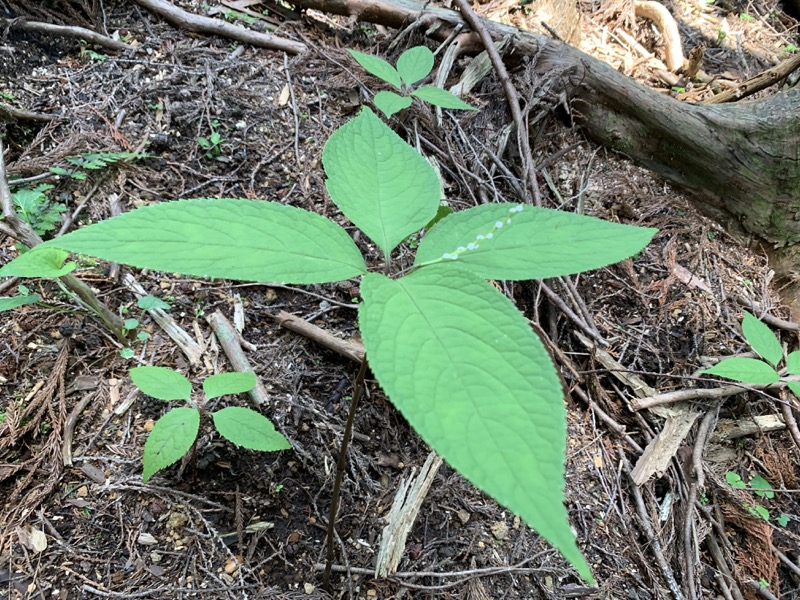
(340, 466)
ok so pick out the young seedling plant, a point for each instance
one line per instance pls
(761, 488)
(759, 371)
(175, 433)
(452, 352)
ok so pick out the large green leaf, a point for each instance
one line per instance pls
(234, 239)
(761, 339)
(384, 186)
(515, 241)
(16, 301)
(746, 370)
(464, 367)
(415, 64)
(248, 429)
(39, 262)
(228, 383)
(161, 383)
(375, 65)
(172, 437)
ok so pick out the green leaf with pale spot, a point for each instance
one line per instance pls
(415, 64)
(161, 383)
(378, 67)
(39, 262)
(390, 103)
(761, 339)
(172, 437)
(249, 240)
(384, 186)
(248, 429)
(441, 98)
(518, 242)
(228, 383)
(746, 370)
(16, 301)
(464, 367)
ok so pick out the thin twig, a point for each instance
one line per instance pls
(644, 520)
(788, 417)
(352, 350)
(294, 110)
(529, 170)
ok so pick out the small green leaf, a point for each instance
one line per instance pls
(735, 480)
(248, 429)
(384, 186)
(464, 367)
(794, 386)
(518, 242)
(149, 302)
(761, 487)
(172, 437)
(390, 103)
(142, 336)
(415, 64)
(746, 370)
(161, 383)
(761, 339)
(130, 324)
(228, 383)
(783, 520)
(793, 363)
(16, 301)
(39, 262)
(228, 238)
(441, 98)
(378, 67)
(758, 511)
(127, 352)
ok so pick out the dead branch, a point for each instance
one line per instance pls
(658, 14)
(352, 350)
(759, 82)
(70, 31)
(20, 114)
(206, 25)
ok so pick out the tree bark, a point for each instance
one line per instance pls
(739, 161)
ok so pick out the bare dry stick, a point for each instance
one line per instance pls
(190, 347)
(352, 350)
(70, 31)
(757, 83)
(229, 340)
(207, 25)
(788, 416)
(658, 13)
(24, 233)
(21, 114)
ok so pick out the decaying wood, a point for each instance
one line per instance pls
(739, 161)
(352, 350)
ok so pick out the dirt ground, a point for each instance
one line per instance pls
(239, 524)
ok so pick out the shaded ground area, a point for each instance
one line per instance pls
(234, 524)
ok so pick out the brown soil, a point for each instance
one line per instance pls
(233, 524)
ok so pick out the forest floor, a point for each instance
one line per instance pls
(240, 524)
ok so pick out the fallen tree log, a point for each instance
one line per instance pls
(740, 162)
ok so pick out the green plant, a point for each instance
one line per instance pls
(93, 161)
(213, 143)
(235, 15)
(791, 48)
(754, 371)
(35, 208)
(452, 352)
(761, 488)
(175, 433)
(413, 65)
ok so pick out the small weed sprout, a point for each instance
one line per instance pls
(175, 433)
(213, 143)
